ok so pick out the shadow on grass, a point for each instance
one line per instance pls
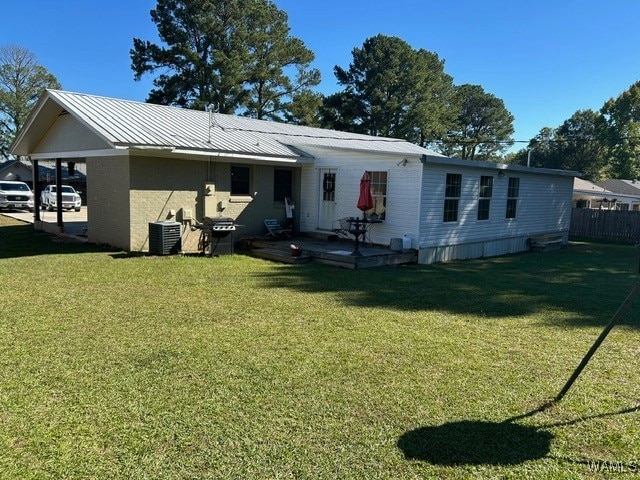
(123, 255)
(584, 284)
(128, 255)
(475, 443)
(487, 443)
(24, 241)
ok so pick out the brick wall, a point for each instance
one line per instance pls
(160, 188)
(137, 190)
(108, 200)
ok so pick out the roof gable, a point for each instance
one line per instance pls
(68, 134)
(6, 164)
(15, 170)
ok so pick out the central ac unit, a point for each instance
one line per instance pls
(165, 238)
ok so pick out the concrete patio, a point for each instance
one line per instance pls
(75, 223)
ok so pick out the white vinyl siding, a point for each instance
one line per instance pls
(544, 205)
(403, 190)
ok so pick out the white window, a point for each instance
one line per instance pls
(512, 197)
(484, 197)
(379, 195)
(452, 192)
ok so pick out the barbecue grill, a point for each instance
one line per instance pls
(215, 228)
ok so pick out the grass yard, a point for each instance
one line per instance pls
(122, 366)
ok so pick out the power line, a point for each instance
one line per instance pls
(509, 142)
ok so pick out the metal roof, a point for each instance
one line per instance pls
(440, 160)
(130, 124)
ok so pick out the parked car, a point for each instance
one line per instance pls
(15, 195)
(70, 198)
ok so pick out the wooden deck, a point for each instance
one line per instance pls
(328, 251)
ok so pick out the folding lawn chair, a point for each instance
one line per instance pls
(275, 230)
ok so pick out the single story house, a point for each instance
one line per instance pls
(626, 193)
(592, 196)
(21, 170)
(147, 163)
(47, 173)
(16, 170)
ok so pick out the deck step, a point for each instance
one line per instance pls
(277, 255)
(325, 235)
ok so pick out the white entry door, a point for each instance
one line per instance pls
(327, 207)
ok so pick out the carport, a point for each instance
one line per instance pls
(36, 194)
(62, 173)
(55, 154)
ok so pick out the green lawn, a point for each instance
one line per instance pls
(125, 366)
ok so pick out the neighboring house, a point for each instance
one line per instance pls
(148, 163)
(16, 170)
(593, 196)
(22, 171)
(47, 174)
(77, 179)
(626, 193)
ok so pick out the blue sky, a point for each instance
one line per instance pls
(546, 59)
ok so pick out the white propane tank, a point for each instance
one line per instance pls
(406, 242)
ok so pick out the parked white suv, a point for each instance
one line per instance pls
(15, 195)
(70, 198)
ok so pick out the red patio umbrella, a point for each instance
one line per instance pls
(365, 200)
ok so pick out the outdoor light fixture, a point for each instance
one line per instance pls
(501, 174)
(402, 162)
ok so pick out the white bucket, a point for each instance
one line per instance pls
(406, 242)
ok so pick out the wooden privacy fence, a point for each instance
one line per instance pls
(615, 225)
